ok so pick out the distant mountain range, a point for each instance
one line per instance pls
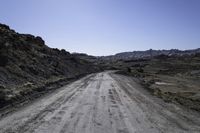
(149, 54)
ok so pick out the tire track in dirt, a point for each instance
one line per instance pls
(101, 103)
(36, 120)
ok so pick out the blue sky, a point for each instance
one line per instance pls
(104, 27)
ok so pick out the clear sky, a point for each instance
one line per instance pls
(103, 27)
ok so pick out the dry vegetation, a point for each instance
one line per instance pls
(174, 79)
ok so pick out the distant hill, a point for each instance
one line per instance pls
(149, 54)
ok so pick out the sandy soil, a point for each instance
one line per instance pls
(101, 103)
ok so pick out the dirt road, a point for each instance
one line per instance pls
(101, 103)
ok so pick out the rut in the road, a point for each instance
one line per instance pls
(101, 103)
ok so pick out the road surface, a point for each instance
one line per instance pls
(101, 103)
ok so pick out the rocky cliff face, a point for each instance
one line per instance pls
(27, 64)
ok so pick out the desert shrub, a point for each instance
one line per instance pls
(3, 60)
(140, 70)
(197, 55)
(2, 95)
(129, 69)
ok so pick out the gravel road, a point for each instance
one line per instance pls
(101, 103)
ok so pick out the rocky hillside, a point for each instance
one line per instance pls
(28, 66)
(172, 78)
(86, 57)
(149, 54)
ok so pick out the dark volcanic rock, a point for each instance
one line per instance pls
(4, 26)
(25, 59)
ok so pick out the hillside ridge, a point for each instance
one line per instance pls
(28, 66)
